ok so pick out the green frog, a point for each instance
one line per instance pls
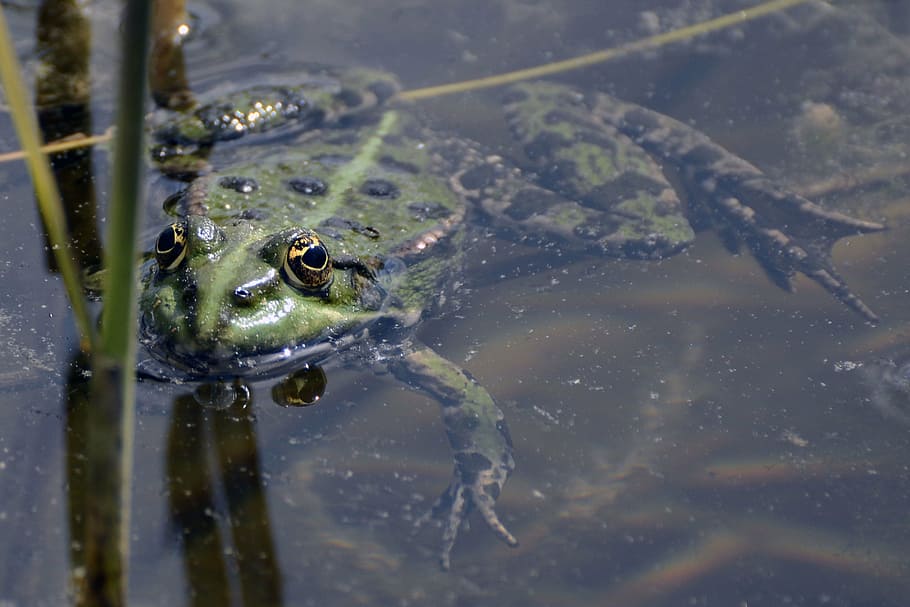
(337, 236)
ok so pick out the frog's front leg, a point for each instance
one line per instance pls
(480, 443)
(784, 231)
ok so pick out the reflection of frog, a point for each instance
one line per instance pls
(351, 233)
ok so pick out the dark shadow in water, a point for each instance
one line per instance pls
(216, 501)
(62, 95)
(216, 494)
(216, 498)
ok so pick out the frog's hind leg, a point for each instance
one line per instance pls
(591, 183)
(480, 441)
(784, 231)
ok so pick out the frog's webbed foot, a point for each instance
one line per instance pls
(784, 231)
(782, 254)
(476, 484)
(480, 441)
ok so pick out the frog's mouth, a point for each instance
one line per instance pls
(169, 363)
(169, 359)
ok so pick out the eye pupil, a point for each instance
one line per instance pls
(166, 241)
(170, 248)
(315, 257)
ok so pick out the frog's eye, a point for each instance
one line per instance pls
(308, 265)
(170, 248)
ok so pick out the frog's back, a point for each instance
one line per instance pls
(369, 192)
(369, 197)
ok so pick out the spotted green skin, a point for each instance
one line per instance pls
(192, 317)
(589, 180)
(389, 199)
(237, 239)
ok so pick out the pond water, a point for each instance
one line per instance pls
(684, 431)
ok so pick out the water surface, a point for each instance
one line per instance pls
(684, 431)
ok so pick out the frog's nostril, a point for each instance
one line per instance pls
(243, 296)
(250, 291)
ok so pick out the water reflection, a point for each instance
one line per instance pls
(302, 388)
(62, 97)
(217, 506)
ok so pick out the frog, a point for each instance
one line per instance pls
(336, 237)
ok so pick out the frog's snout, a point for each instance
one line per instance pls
(250, 291)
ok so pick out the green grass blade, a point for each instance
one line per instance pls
(118, 319)
(111, 424)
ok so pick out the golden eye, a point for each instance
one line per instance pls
(307, 264)
(170, 248)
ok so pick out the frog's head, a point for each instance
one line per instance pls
(219, 299)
